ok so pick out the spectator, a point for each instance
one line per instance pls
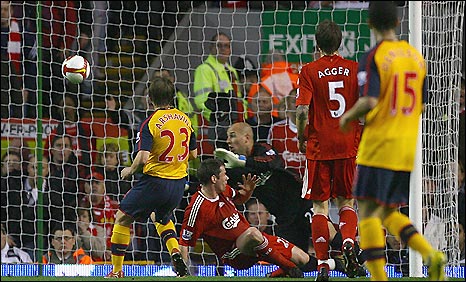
(64, 248)
(128, 120)
(61, 196)
(278, 77)
(20, 146)
(25, 66)
(227, 232)
(248, 73)
(91, 236)
(109, 165)
(59, 29)
(102, 206)
(283, 136)
(27, 215)
(12, 89)
(10, 253)
(11, 194)
(216, 92)
(11, 164)
(11, 99)
(82, 47)
(79, 132)
(324, 96)
(261, 106)
(258, 216)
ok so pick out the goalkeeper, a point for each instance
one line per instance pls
(279, 189)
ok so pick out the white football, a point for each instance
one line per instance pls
(76, 69)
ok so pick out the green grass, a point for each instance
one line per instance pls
(194, 278)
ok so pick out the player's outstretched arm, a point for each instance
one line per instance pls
(247, 188)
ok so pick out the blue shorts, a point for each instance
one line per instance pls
(153, 194)
(385, 187)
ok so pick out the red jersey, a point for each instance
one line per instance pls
(283, 136)
(104, 214)
(329, 86)
(217, 221)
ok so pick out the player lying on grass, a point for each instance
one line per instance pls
(213, 216)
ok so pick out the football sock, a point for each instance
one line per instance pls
(270, 255)
(121, 237)
(311, 265)
(348, 223)
(168, 234)
(327, 263)
(400, 226)
(320, 235)
(279, 272)
(337, 242)
(372, 241)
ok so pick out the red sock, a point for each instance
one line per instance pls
(271, 255)
(348, 223)
(320, 235)
(279, 272)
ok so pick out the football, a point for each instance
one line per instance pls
(76, 69)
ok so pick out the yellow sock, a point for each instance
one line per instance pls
(168, 234)
(400, 226)
(120, 240)
(373, 243)
(377, 269)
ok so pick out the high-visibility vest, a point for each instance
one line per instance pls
(212, 76)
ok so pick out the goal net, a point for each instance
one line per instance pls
(129, 42)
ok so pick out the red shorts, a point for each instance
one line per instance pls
(325, 180)
(242, 261)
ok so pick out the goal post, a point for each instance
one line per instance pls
(415, 189)
(126, 42)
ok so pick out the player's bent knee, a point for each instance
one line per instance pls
(299, 257)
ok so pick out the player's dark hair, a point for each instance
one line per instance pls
(208, 168)
(328, 36)
(383, 15)
(162, 91)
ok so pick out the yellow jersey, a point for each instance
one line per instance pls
(168, 135)
(394, 72)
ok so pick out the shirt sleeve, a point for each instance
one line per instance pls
(192, 226)
(192, 142)
(368, 76)
(305, 88)
(144, 137)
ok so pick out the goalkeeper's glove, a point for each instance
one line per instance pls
(232, 160)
